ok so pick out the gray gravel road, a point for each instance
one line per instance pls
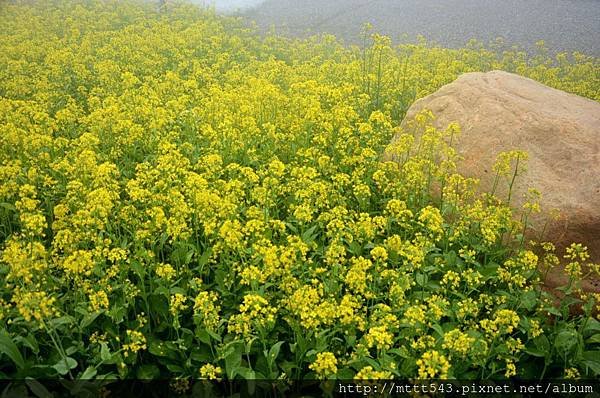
(564, 25)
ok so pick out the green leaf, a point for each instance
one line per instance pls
(37, 388)
(593, 365)
(247, 374)
(450, 258)
(535, 352)
(148, 372)
(8, 347)
(64, 365)
(438, 329)
(592, 355)
(63, 320)
(28, 341)
(594, 339)
(274, 351)
(355, 248)
(233, 359)
(529, 300)
(553, 311)
(89, 373)
(309, 235)
(565, 341)
(174, 368)
(105, 354)
(163, 349)
(88, 319)
(542, 343)
(117, 314)
(591, 325)
(592, 361)
(14, 390)
(138, 268)
(201, 353)
(490, 270)
(345, 374)
(215, 336)
(8, 206)
(401, 352)
(203, 335)
(203, 260)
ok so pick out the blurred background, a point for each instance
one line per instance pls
(565, 25)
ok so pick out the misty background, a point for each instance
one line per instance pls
(564, 25)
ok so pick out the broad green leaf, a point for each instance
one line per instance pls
(529, 300)
(89, 373)
(88, 319)
(105, 354)
(148, 372)
(591, 325)
(203, 335)
(274, 351)
(592, 361)
(247, 374)
(565, 341)
(233, 359)
(535, 352)
(9, 348)
(28, 341)
(38, 389)
(594, 339)
(542, 343)
(438, 329)
(63, 320)
(8, 206)
(64, 365)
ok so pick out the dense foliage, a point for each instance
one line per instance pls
(182, 197)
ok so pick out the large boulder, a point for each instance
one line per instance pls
(500, 111)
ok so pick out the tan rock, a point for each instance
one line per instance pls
(500, 111)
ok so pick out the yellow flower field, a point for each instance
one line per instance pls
(181, 197)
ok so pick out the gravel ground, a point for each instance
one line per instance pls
(564, 25)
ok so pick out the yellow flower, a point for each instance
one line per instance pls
(379, 337)
(210, 372)
(177, 303)
(206, 308)
(572, 373)
(98, 300)
(458, 342)
(535, 329)
(358, 277)
(415, 315)
(34, 305)
(431, 219)
(79, 263)
(379, 254)
(325, 365)
(368, 373)
(26, 261)
(511, 369)
(433, 364)
(231, 234)
(255, 315)
(137, 342)
(165, 271)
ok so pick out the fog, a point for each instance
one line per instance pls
(565, 25)
(229, 5)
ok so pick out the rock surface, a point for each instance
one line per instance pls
(500, 111)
